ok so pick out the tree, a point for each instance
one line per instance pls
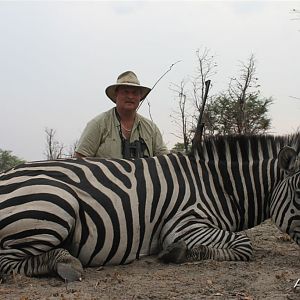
(186, 118)
(182, 118)
(206, 66)
(240, 109)
(56, 149)
(179, 147)
(7, 160)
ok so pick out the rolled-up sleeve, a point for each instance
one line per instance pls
(90, 139)
(159, 147)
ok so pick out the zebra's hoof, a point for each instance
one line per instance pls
(174, 253)
(70, 271)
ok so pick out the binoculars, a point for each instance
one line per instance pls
(135, 149)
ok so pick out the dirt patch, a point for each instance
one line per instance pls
(271, 274)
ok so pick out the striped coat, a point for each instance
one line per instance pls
(59, 215)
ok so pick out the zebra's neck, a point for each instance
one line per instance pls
(237, 175)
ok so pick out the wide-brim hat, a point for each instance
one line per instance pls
(127, 78)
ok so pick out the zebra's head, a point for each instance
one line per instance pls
(285, 200)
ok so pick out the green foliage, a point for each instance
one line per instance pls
(178, 147)
(7, 160)
(240, 109)
(225, 115)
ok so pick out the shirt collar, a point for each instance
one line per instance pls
(136, 123)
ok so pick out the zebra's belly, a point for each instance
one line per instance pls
(113, 252)
(117, 259)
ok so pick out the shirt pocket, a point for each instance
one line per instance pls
(110, 148)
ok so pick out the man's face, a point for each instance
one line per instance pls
(128, 97)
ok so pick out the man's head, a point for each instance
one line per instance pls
(128, 97)
(127, 83)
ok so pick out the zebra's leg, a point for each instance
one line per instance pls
(205, 243)
(58, 261)
(68, 267)
(35, 230)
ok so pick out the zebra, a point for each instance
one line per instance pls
(59, 216)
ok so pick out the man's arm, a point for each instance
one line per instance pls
(160, 147)
(89, 140)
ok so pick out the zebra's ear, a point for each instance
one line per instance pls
(287, 159)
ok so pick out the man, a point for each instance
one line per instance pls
(121, 132)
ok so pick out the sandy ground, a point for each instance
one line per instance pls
(271, 274)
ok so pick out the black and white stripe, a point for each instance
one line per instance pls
(114, 211)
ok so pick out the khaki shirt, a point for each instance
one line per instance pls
(101, 137)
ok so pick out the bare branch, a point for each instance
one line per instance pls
(157, 81)
(72, 149)
(297, 98)
(149, 110)
(296, 12)
(183, 122)
(205, 70)
(54, 149)
(170, 68)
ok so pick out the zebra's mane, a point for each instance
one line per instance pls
(254, 145)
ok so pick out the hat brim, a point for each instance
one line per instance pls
(111, 90)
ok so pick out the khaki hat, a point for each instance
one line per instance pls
(127, 78)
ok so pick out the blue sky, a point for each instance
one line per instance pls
(57, 58)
